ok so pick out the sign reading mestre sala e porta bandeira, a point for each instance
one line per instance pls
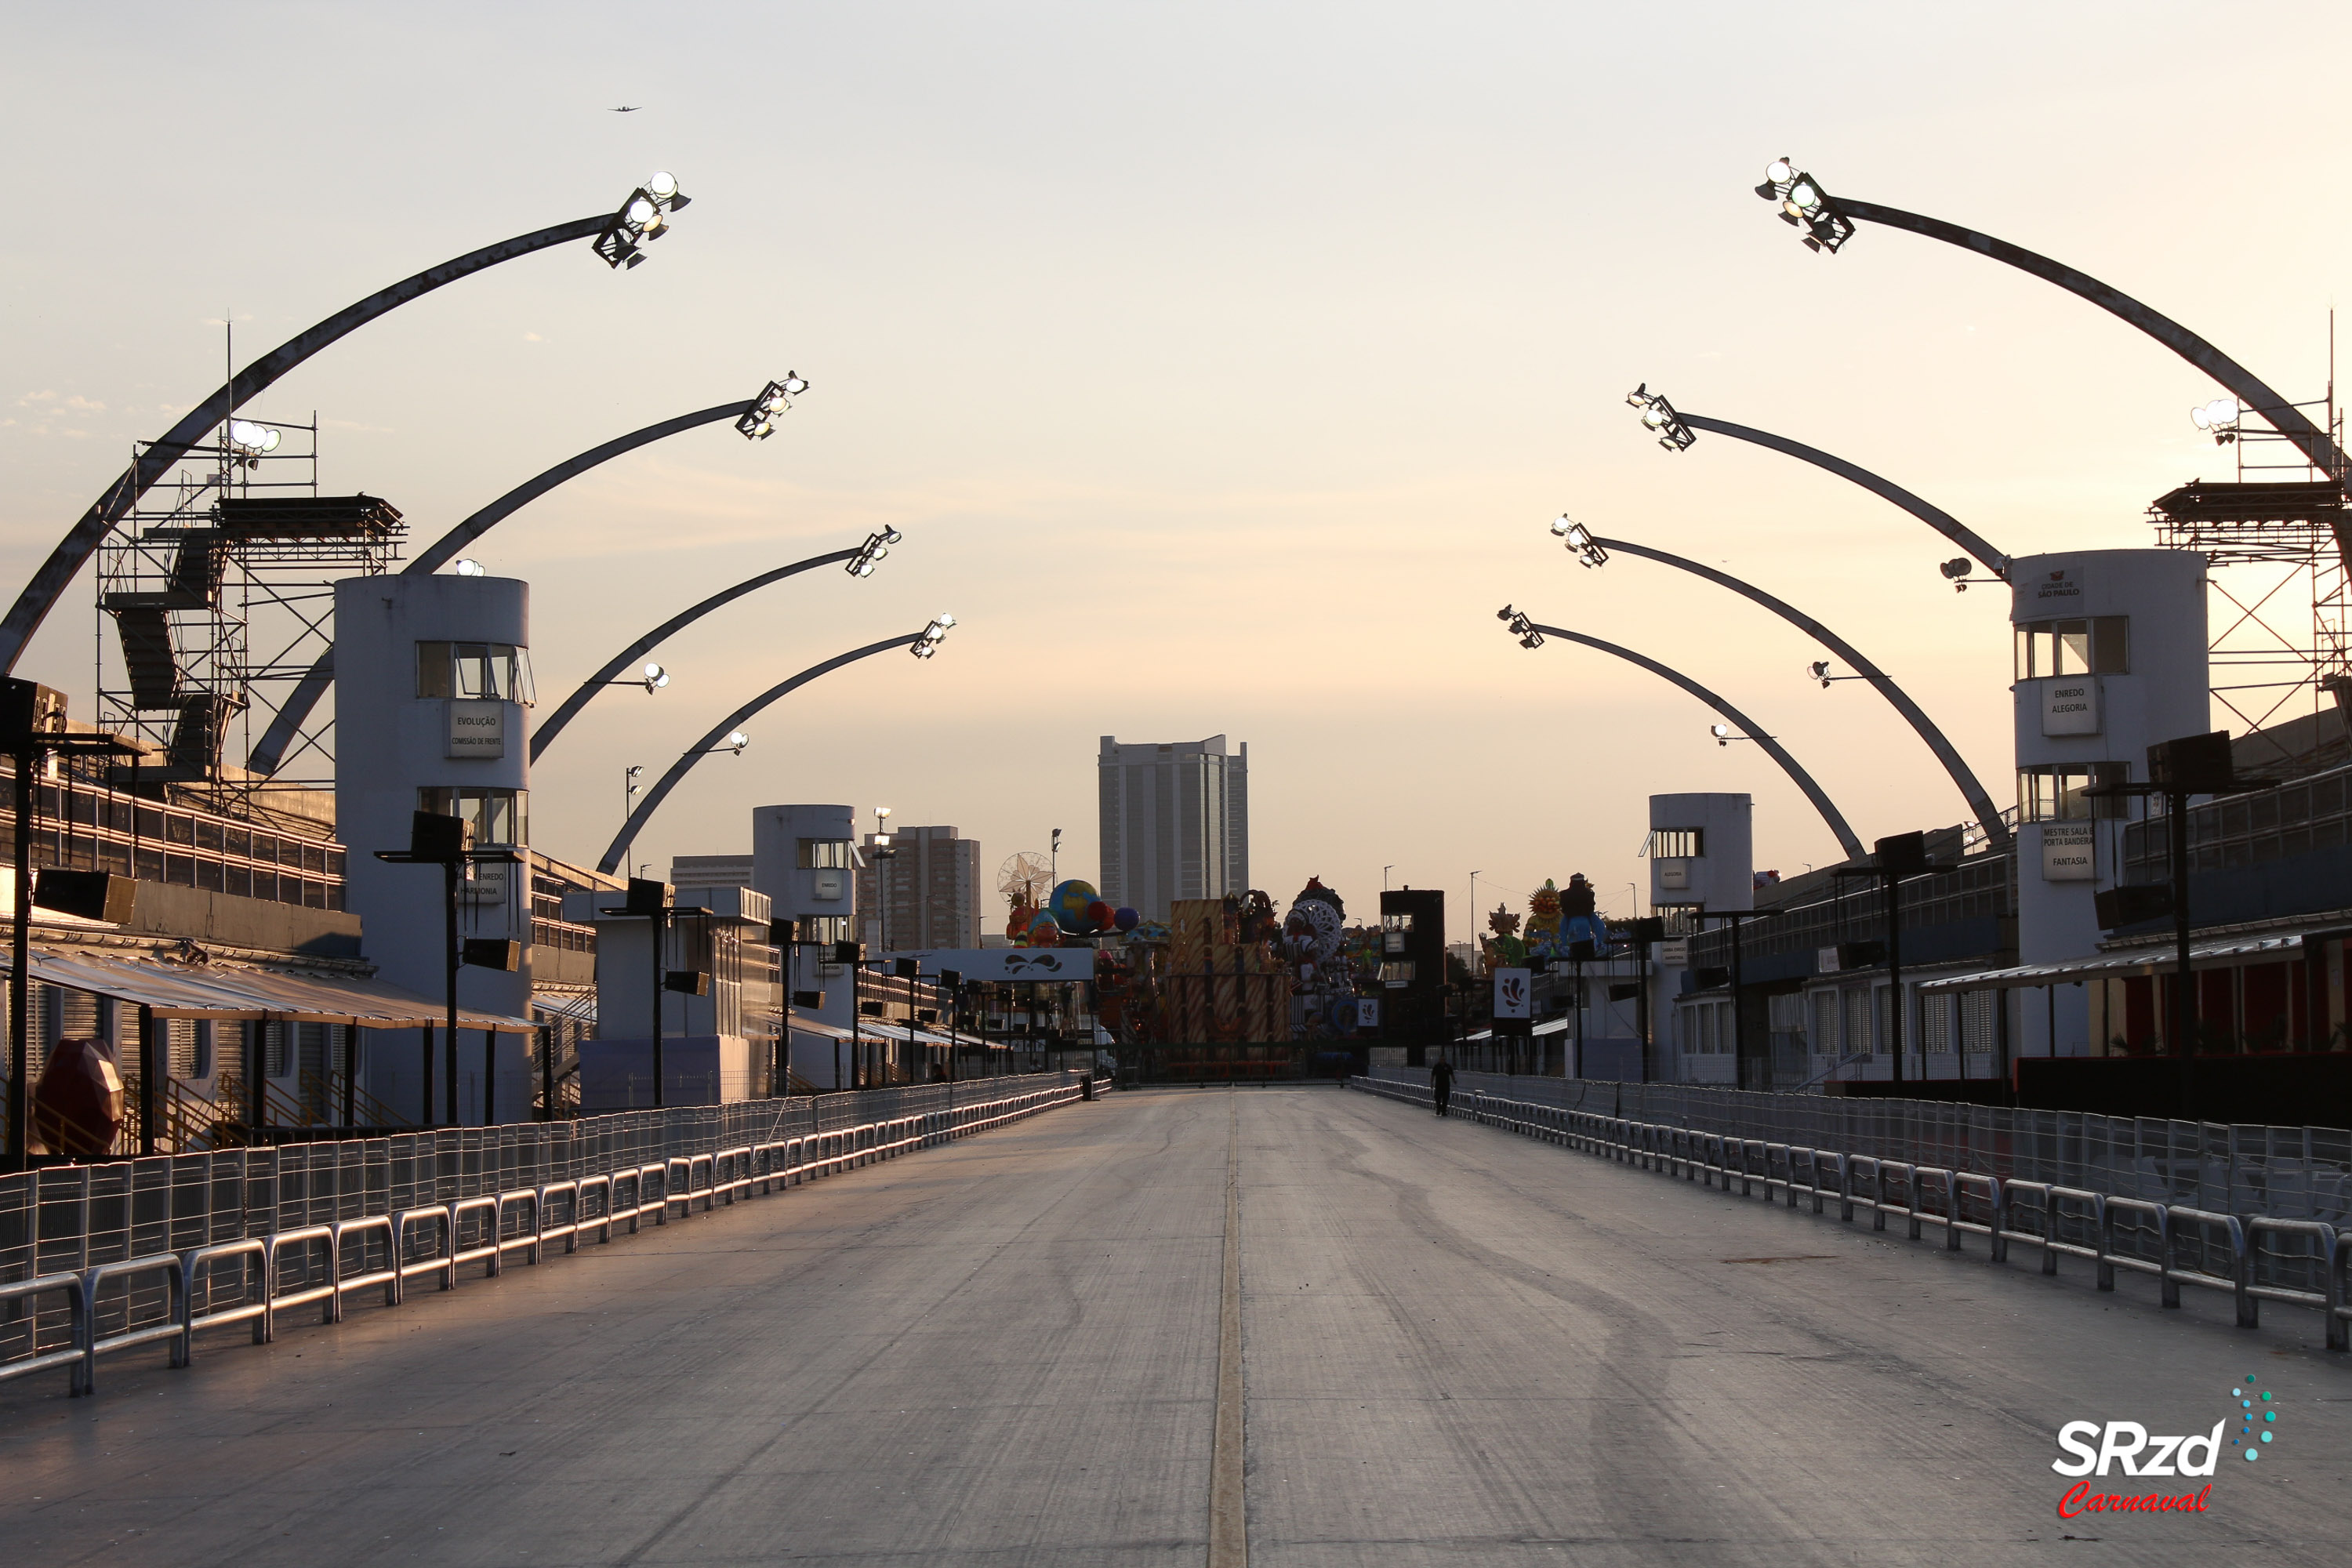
(478, 731)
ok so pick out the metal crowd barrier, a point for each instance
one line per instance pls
(2075, 1222)
(728, 1174)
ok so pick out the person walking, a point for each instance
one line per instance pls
(1441, 1083)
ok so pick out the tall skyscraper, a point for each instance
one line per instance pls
(1175, 822)
(923, 892)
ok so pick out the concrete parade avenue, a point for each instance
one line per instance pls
(1457, 1346)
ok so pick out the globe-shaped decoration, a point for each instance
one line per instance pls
(1127, 919)
(1068, 904)
(1044, 932)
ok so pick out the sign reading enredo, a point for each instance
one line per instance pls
(1514, 994)
(2060, 590)
(2070, 706)
(478, 731)
(2067, 852)
(1674, 875)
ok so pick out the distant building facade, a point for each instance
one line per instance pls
(921, 890)
(1174, 822)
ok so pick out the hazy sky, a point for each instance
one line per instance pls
(1223, 364)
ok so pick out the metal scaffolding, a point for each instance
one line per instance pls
(2280, 638)
(216, 594)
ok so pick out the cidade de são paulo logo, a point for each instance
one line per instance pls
(2093, 1449)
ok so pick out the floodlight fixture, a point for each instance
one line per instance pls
(1819, 670)
(933, 634)
(2220, 417)
(1956, 572)
(735, 742)
(875, 547)
(249, 440)
(1520, 626)
(1658, 417)
(643, 218)
(1578, 539)
(467, 566)
(1804, 205)
(759, 421)
(1723, 735)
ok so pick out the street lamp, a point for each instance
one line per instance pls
(1934, 517)
(1658, 417)
(643, 218)
(870, 554)
(1749, 727)
(544, 734)
(279, 739)
(759, 421)
(1814, 206)
(1972, 791)
(654, 678)
(727, 727)
(41, 595)
(1580, 540)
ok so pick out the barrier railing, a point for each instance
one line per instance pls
(327, 1262)
(2060, 1219)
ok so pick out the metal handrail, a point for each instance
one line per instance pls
(1887, 1185)
(735, 1172)
(253, 1308)
(93, 1344)
(77, 1299)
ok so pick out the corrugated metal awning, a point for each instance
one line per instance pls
(225, 991)
(2123, 965)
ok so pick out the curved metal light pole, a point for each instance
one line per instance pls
(1754, 732)
(545, 734)
(41, 595)
(1970, 790)
(1830, 221)
(270, 752)
(1661, 416)
(702, 748)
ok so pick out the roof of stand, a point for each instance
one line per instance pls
(226, 992)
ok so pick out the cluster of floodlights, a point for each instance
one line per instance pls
(1521, 627)
(735, 742)
(247, 441)
(1805, 205)
(933, 634)
(653, 680)
(877, 546)
(467, 566)
(1578, 539)
(2221, 417)
(1658, 417)
(759, 421)
(643, 218)
(1725, 734)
